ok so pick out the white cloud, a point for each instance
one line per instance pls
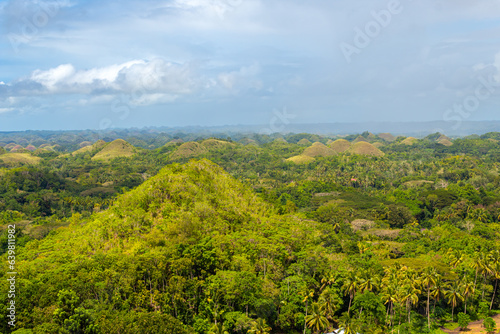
(6, 110)
(155, 76)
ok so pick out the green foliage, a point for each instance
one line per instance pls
(463, 320)
(490, 325)
(250, 241)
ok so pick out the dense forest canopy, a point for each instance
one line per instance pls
(255, 233)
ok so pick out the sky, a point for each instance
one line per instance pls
(74, 64)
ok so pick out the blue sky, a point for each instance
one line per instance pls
(69, 64)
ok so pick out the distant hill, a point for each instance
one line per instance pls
(318, 150)
(15, 158)
(98, 145)
(340, 145)
(409, 141)
(364, 148)
(115, 149)
(387, 137)
(300, 159)
(195, 149)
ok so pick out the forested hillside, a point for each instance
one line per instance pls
(264, 234)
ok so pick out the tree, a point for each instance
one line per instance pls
(429, 277)
(316, 319)
(454, 295)
(468, 290)
(330, 302)
(259, 326)
(350, 287)
(463, 321)
(490, 325)
(494, 265)
(218, 329)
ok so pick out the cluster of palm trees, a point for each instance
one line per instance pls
(258, 326)
(403, 289)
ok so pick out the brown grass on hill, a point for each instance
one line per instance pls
(445, 142)
(115, 149)
(15, 158)
(95, 147)
(359, 139)
(362, 224)
(340, 145)
(318, 150)
(301, 159)
(304, 142)
(383, 233)
(417, 183)
(188, 150)
(378, 144)
(280, 141)
(409, 141)
(175, 141)
(364, 148)
(16, 148)
(215, 144)
(9, 146)
(85, 143)
(387, 137)
(248, 141)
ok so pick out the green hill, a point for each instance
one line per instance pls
(192, 231)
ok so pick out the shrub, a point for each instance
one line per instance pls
(490, 325)
(463, 320)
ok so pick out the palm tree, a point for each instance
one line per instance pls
(259, 326)
(218, 329)
(316, 320)
(410, 296)
(369, 281)
(429, 277)
(494, 264)
(345, 323)
(350, 287)
(330, 302)
(468, 289)
(327, 281)
(454, 296)
(478, 264)
(308, 294)
(389, 295)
